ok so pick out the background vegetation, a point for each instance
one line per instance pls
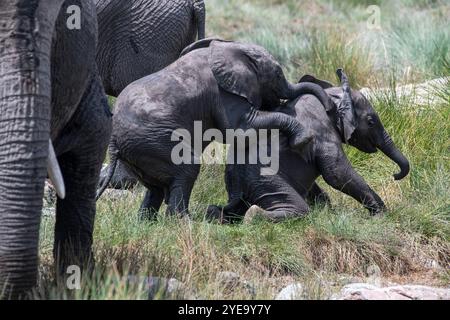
(330, 245)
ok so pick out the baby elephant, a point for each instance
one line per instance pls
(352, 120)
(221, 84)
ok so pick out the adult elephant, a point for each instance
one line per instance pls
(141, 37)
(223, 84)
(53, 107)
(352, 120)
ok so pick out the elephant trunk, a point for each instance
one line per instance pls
(25, 101)
(390, 150)
(293, 91)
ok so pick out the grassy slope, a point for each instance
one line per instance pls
(318, 37)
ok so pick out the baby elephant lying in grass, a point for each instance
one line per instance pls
(352, 120)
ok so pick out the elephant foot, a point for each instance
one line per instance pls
(214, 214)
(379, 212)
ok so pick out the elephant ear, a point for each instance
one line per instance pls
(309, 78)
(200, 44)
(346, 119)
(235, 68)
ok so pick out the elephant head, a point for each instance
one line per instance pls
(25, 101)
(358, 123)
(251, 72)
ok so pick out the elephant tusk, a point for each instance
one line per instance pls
(54, 172)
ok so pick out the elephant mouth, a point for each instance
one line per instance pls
(366, 147)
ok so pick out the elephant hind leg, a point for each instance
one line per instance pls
(151, 204)
(180, 190)
(276, 199)
(234, 211)
(277, 215)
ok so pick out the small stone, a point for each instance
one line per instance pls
(291, 292)
(228, 280)
(168, 289)
(432, 264)
(251, 214)
(231, 281)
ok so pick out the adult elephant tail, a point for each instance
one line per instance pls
(200, 17)
(113, 157)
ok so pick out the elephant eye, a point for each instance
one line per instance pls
(370, 121)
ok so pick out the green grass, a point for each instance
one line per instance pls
(316, 37)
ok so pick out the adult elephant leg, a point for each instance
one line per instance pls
(81, 160)
(151, 204)
(26, 29)
(317, 196)
(180, 190)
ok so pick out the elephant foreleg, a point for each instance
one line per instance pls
(338, 173)
(317, 196)
(231, 213)
(81, 154)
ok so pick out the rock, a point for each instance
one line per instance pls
(291, 292)
(346, 279)
(432, 264)
(168, 289)
(228, 280)
(423, 94)
(364, 291)
(231, 281)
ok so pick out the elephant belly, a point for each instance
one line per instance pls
(148, 153)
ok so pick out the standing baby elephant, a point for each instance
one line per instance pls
(352, 120)
(220, 83)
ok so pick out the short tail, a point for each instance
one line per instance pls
(200, 17)
(113, 154)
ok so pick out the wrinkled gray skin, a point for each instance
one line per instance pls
(48, 89)
(138, 38)
(288, 193)
(141, 37)
(222, 84)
